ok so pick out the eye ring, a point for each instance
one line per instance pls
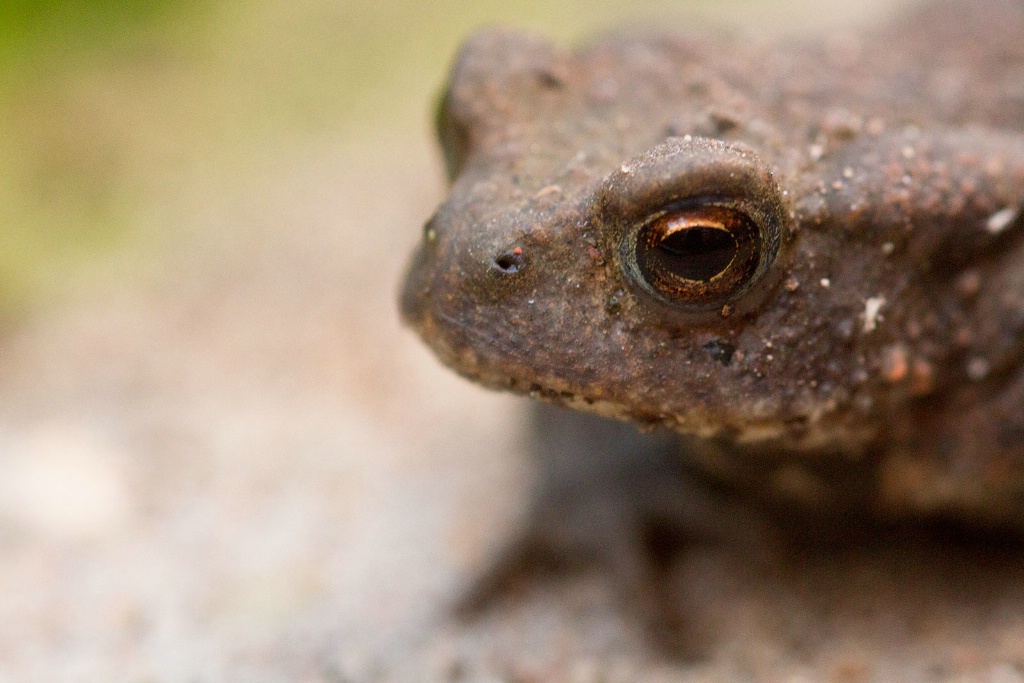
(701, 254)
(696, 255)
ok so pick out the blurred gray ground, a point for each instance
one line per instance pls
(222, 459)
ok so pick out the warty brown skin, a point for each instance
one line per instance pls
(882, 345)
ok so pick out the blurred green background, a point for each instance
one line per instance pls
(109, 108)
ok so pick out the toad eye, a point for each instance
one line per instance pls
(698, 222)
(699, 257)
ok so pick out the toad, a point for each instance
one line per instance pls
(806, 257)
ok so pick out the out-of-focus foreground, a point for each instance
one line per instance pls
(221, 459)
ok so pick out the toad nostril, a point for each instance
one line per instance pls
(509, 262)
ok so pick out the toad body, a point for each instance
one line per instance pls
(808, 255)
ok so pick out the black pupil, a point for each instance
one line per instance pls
(697, 253)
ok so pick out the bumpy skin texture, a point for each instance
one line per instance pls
(876, 363)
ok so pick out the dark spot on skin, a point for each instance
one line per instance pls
(614, 304)
(509, 262)
(797, 425)
(720, 351)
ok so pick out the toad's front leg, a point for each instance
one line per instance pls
(626, 503)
